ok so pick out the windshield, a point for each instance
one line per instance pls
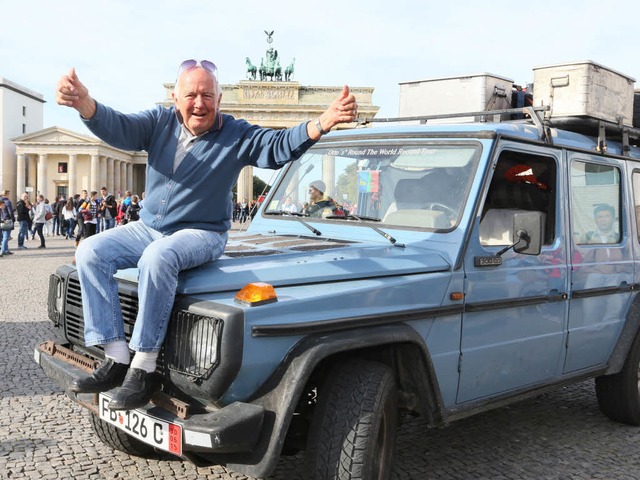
(418, 186)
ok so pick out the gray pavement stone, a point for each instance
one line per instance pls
(560, 435)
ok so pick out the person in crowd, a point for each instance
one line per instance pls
(23, 209)
(195, 156)
(48, 221)
(79, 201)
(56, 219)
(4, 196)
(244, 210)
(69, 216)
(133, 210)
(89, 211)
(109, 209)
(5, 214)
(126, 201)
(39, 219)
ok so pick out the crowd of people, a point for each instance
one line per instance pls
(77, 217)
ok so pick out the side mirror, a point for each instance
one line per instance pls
(528, 231)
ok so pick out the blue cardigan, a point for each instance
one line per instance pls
(198, 194)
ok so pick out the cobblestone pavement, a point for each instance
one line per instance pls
(43, 435)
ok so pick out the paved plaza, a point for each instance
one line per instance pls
(43, 435)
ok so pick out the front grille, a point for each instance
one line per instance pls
(74, 319)
(192, 347)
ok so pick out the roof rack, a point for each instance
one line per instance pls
(530, 113)
(590, 126)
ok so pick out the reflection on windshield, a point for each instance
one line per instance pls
(418, 186)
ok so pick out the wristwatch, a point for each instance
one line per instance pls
(319, 127)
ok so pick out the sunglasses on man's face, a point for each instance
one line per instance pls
(206, 64)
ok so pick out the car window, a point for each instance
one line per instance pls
(595, 203)
(417, 186)
(521, 182)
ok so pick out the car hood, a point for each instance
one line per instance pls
(295, 260)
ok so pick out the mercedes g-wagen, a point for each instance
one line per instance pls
(456, 268)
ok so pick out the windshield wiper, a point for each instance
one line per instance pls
(295, 215)
(362, 219)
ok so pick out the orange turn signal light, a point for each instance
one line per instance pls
(258, 293)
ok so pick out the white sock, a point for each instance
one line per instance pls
(145, 361)
(118, 350)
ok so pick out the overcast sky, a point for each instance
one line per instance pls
(124, 50)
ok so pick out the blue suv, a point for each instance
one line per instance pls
(436, 270)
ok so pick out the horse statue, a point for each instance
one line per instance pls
(288, 72)
(277, 72)
(251, 70)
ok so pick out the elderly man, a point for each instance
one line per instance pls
(195, 156)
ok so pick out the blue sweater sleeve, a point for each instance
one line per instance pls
(125, 131)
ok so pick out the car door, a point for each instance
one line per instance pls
(602, 273)
(514, 320)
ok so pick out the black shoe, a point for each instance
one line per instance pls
(41, 246)
(108, 375)
(136, 390)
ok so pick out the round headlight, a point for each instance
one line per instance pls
(204, 343)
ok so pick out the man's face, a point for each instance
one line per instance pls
(104, 192)
(196, 100)
(314, 194)
(604, 221)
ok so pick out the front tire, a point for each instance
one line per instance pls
(619, 395)
(352, 434)
(117, 439)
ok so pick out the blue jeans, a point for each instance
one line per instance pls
(159, 259)
(70, 225)
(5, 241)
(109, 223)
(23, 233)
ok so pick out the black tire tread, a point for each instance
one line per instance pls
(618, 395)
(345, 419)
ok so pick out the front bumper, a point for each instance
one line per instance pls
(233, 428)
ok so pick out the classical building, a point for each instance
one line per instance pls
(59, 162)
(20, 113)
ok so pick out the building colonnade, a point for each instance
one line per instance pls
(56, 162)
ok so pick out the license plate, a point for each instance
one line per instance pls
(166, 436)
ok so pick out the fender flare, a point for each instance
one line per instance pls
(280, 394)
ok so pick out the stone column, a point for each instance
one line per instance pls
(117, 184)
(124, 181)
(42, 175)
(110, 184)
(130, 185)
(103, 174)
(245, 184)
(328, 174)
(72, 171)
(21, 179)
(95, 173)
(32, 163)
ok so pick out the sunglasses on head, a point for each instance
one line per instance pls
(206, 64)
